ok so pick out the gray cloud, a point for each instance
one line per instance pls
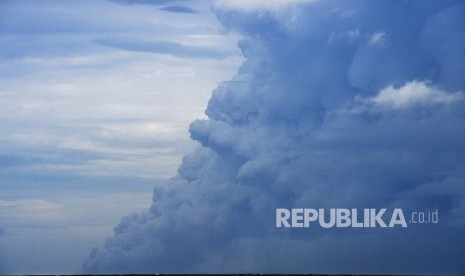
(167, 5)
(178, 9)
(324, 113)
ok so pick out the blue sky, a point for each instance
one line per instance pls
(96, 99)
(202, 117)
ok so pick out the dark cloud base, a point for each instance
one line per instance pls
(339, 104)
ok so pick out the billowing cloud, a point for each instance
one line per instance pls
(282, 134)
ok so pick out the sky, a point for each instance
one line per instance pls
(96, 98)
(161, 136)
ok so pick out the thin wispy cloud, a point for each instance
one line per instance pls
(149, 2)
(174, 6)
(163, 47)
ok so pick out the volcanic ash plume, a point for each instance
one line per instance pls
(339, 104)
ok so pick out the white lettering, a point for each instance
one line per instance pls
(282, 216)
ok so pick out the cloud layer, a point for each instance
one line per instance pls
(163, 47)
(339, 104)
(82, 125)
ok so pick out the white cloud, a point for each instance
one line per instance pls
(413, 93)
(378, 39)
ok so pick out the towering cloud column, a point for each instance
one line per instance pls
(339, 104)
